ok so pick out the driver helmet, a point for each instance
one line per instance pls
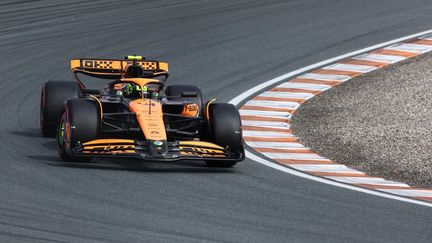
(131, 90)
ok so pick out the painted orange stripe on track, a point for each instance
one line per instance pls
(314, 81)
(421, 42)
(305, 162)
(394, 53)
(344, 174)
(417, 188)
(279, 99)
(293, 90)
(424, 198)
(268, 129)
(260, 139)
(372, 186)
(337, 72)
(287, 150)
(261, 108)
(261, 118)
(364, 62)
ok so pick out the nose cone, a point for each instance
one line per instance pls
(157, 149)
(150, 118)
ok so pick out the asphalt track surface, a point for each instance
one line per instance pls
(226, 47)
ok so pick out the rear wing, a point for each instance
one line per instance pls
(115, 68)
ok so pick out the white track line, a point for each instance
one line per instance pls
(248, 93)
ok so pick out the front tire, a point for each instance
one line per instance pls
(225, 130)
(79, 123)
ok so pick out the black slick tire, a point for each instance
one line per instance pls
(53, 95)
(79, 123)
(225, 130)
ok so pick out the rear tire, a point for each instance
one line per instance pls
(79, 123)
(53, 95)
(225, 130)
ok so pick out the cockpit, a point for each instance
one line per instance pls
(131, 90)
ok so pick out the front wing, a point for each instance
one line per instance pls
(179, 150)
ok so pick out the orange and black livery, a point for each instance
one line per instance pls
(137, 116)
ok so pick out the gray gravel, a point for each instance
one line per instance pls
(379, 123)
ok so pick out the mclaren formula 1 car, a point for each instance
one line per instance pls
(137, 116)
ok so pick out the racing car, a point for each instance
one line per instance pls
(137, 116)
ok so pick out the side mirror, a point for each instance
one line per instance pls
(189, 94)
